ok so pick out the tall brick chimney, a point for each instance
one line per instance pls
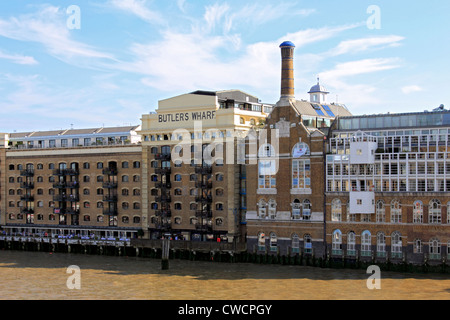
(287, 70)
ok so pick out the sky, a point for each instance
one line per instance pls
(86, 63)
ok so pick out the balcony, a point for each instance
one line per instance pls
(163, 213)
(110, 212)
(110, 185)
(163, 156)
(65, 211)
(64, 185)
(26, 211)
(203, 185)
(163, 226)
(66, 197)
(163, 199)
(203, 214)
(27, 197)
(203, 170)
(203, 227)
(203, 199)
(163, 170)
(27, 173)
(65, 172)
(112, 198)
(27, 185)
(163, 185)
(110, 171)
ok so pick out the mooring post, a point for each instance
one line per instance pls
(165, 253)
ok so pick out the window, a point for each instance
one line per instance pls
(295, 243)
(262, 208)
(273, 242)
(380, 211)
(417, 246)
(336, 210)
(136, 164)
(396, 245)
(396, 212)
(381, 244)
(307, 243)
(336, 242)
(296, 209)
(219, 177)
(418, 212)
(177, 177)
(351, 242)
(301, 174)
(125, 164)
(99, 165)
(219, 206)
(272, 209)
(434, 212)
(366, 243)
(435, 248)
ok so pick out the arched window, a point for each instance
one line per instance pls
(351, 243)
(306, 213)
(272, 209)
(396, 212)
(336, 210)
(396, 245)
(435, 248)
(178, 177)
(295, 243)
(261, 241)
(418, 212)
(262, 209)
(366, 243)
(381, 244)
(307, 243)
(380, 211)
(273, 241)
(448, 213)
(336, 242)
(296, 209)
(434, 212)
(417, 246)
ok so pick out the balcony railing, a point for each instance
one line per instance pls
(163, 226)
(163, 156)
(163, 170)
(203, 185)
(163, 213)
(27, 185)
(163, 199)
(110, 171)
(26, 210)
(64, 185)
(203, 227)
(110, 185)
(163, 185)
(203, 214)
(203, 170)
(27, 173)
(65, 211)
(65, 172)
(66, 197)
(27, 197)
(110, 198)
(203, 199)
(110, 211)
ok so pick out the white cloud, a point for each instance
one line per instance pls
(358, 67)
(19, 59)
(140, 9)
(364, 44)
(411, 89)
(48, 27)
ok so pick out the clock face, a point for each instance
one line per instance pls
(300, 150)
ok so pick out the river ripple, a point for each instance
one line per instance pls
(42, 276)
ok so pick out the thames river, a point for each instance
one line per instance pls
(39, 275)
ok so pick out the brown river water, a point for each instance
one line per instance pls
(43, 276)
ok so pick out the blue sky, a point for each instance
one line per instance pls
(128, 54)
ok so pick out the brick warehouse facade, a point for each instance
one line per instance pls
(313, 180)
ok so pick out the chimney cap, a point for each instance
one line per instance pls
(287, 44)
